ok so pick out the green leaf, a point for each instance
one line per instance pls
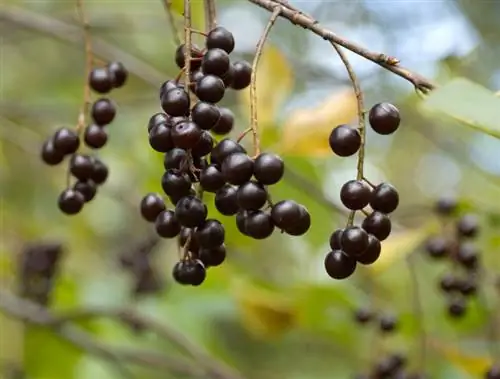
(469, 103)
(197, 12)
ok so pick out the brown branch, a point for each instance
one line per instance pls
(210, 14)
(167, 4)
(389, 63)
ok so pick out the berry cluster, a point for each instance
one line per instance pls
(354, 244)
(137, 260)
(37, 267)
(455, 244)
(88, 170)
(195, 163)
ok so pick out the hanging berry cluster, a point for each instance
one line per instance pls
(88, 170)
(354, 244)
(195, 163)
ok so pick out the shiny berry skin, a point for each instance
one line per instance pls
(210, 88)
(160, 138)
(355, 194)
(189, 272)
(344, 140)
(242, 75)
(384, 118)
(71, 202)
(226, 201)
(87, 188)
(191, 212)
(212, 257)
(237, 168)
(336, 239)
(81, 166)
(175, 102)
(180, 60)
(228, 77)
(66, 141)
(175, 183)
(258, 225)
(354, 241)
(220, 38)
(101, 80)
(211, 179)
(223, 149)
(215, 62)
(210, 234)
(285, 214)
(185, 135)
(166, 224)
(50, 155)
(384, 198)
(176, 158)
(378, 224)
(302, 224)
(457, 307)
(468, 255)
(95, 136)
(268, 168)
(100, 172)
(225, 123)
(251, 196)
(468, 226)
(168, 85)
(156, 119)
(372, 252)
(338, 265)
(103, 111)
(205, 115)
(203, 146)
(151, 206)
(118, 73)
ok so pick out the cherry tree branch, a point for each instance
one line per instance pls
(391, 64)
(210, 14)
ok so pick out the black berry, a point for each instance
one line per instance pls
(237, 168)
(156, 119)
(437, 247)
(191, 212)
(268, 168)
(87, 188)
(166, 224)
(468, 226)
(457, 307)
(363, 315)
(344, 140)
(336, 239)
(205, 115)
(71, 202)
(175, 183)
(258, 224)
(66, 141)
(160, 138)
(355, 194)
(338, 265)
(151, 206)
(204, 145)
(225, 123)
(103, 111)
(372, 252)
(119, 74)
(226, 200)
(50, 155)
(95, 137)
(354, 241)
(384, 118)
(210, 88)
(223, 149)
(175, 102)
(176, 158)
(384, 198)
(180, 57)
(189, 272)
(251, 196)
(211, 234)
(220, 38)
(81, 166)
(242, 75)
(378, 224)
(185, 135)
(446, 205)
(101, 80)
(100, 172)
(212, 257)
(388, 323)
(211, 179)
(215, 62)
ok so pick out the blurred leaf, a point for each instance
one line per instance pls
(472, 364)
(274, 83)
(265, 313)
(306, 131)
(197, 12)
(468, 103)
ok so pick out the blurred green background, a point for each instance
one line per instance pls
(270, 310)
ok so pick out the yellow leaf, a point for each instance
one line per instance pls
(306, 131)
(472, 364)
(274, 83)
(264, 313)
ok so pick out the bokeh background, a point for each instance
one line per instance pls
(270, 310)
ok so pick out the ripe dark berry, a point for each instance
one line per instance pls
(251, 196)
(212, 257)
(95, 137)
(50, 155)
(336, 239)
(467, 287)
(258, 225)
(344, 141)
(468, 226)
(211, 234)
(215, 62)
(268, 168)
(437, 247)
(194, 77)
(205, 115)
(191, 212)
(354, 241)
(372, 252)
(180, 57)
(338, 265)
(211, 179)
(176, 158)
(185, 135)
(81, 166)
(70, 201)
(210, 88)
(363, 315)
(175, 183)
(457, 307)
(388, 323)
(168, 85)
(237, 168)
(220, 38)
(448, 283)
(101, 80)
(493, 372)
(87, 188)
(355, 194)
(225, 148)
(160, 138)
(302, 224)
(226, 200)
(204, 145)
(228, 77)
(66, 141)
(225, 123)
(468, 255)
(189, 272)
(446, 205)
(166, 224)
(151, 206)
(384, 118)
(119, 74)
(100, 172)
(103, 111)
(291, 217)
(378, 224)
(242, 75)
(384, 198)
(156, 119)
(175, 102)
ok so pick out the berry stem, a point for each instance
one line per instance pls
(253, 80)
(210, 14)
(365, 212)
(88, 65)
(368, 182)
(167, 4)
(195, 31)
(243, 134)
(350, 219)
(361, 115)
(187, 45)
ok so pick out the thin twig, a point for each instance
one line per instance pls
(88, 64)
(253, 81)
(389, 63)
(210, 14)
(187, 45)
(167, 4)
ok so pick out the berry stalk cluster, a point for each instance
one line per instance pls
(354, 244)
(88, 170)
(195, 163)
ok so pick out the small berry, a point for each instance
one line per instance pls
(388, 323)
(446, 205)
(101, 80)
(384, 118)
(156, 119)
(87, 188)
(285, 214)
(268, 168)
(467, 287)
(302, 224)
(191, 272)
(437, 247)
(177, 159)
(168, 85)
(336, 239)
(220, 38)
(345, 140)
(66, 141)
(175, 183)
(71, 202)
(228, 77)
(237, 168)
(215, 62)
(355, 194)
(191, 212)
(151, 206)
(384, 198)
(160, 138)
(100, 172)
(166, 224)
(185, 135)
(251, 196)
(103, 111)
(468, 226)
(448, 283)
(50, 155)
(225, 148)
(226, 200)
(81, 166)
(363, 315)
(242, 75)
(210, 88)
(205, 115)
(468, 255)
(204, 145)
(211, 179)
(354, 241)
(338, 265)
(211, 234)
(225, 123)
(378, 224)
(175, 102)
(372, 252)
(119, 74)
(258, 225)
(180, 57)
(95, 137)
(212, 257)
(457, 307)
